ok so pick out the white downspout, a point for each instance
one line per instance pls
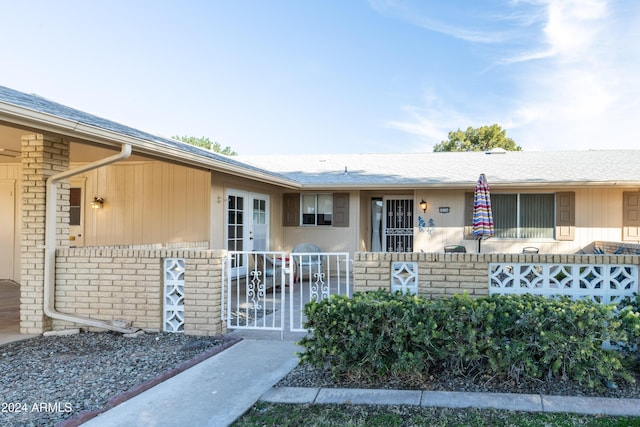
(50, 242)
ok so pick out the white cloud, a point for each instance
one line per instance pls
(432, 121)
(576, 83)
(413, 12)
(585, 94)
(573, 27)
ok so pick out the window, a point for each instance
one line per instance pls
(317, 209)
(523, 216)
(631, 216)
(75, 205)
(309, 209)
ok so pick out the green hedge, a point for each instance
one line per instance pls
(378, 334)
(630, 317)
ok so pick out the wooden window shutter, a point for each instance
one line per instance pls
(341, 210)
(468, 216)
(290, 209)
(565, 215)
(631, 216)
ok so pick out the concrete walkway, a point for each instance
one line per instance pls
(213, 393)
(220, 389)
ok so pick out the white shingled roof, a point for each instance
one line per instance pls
(457, 169)
(408, 170)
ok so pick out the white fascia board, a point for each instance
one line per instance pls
(43, 122)
(469, 185)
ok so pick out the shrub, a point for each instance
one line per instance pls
(630, 318)
(367, 334)
(377, 334)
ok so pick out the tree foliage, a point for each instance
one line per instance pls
(207, 144)
(483, 138)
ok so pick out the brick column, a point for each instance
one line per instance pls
(42, 156)
(203, 293)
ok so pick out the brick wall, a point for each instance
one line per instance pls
(448, 273)
(42, 157)
(118, 283)
(111, 283)
(613, 248)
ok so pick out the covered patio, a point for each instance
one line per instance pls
(10, 313)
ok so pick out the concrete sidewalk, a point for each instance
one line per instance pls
(448, 399)
(214, 392)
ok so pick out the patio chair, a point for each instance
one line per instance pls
(271, 269)
(307, 263)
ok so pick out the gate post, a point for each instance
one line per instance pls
(203, 293)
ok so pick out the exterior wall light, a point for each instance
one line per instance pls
(424, 206)
(97, 203)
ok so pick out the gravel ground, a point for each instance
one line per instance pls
(46, 380)
(307, 376)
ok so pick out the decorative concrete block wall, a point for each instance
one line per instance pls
(119, 283)
(449, 273)
(109, 283)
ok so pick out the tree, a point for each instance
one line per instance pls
(483, 138)
(207, 144)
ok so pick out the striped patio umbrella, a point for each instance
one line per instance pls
(482, 215)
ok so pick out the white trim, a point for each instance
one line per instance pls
(79, 182)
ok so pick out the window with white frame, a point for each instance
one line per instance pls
(523, 216)
(316, 209)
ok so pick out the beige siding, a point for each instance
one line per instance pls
(329, 238)
(11, 172)
(449, 227)
(218, 213)
(598, 206)
(147, 202)
(220, 183)
(598, 217)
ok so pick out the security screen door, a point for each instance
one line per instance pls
(398, 224)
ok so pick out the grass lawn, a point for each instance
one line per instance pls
(267, 414)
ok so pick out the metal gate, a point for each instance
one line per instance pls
(271, 292)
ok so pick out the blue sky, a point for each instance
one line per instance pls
(337, 76)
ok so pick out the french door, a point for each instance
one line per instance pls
(247, 225)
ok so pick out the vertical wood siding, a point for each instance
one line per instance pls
(147, 202)
(11, 172)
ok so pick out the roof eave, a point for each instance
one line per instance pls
(466, 185)
(43, 122)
